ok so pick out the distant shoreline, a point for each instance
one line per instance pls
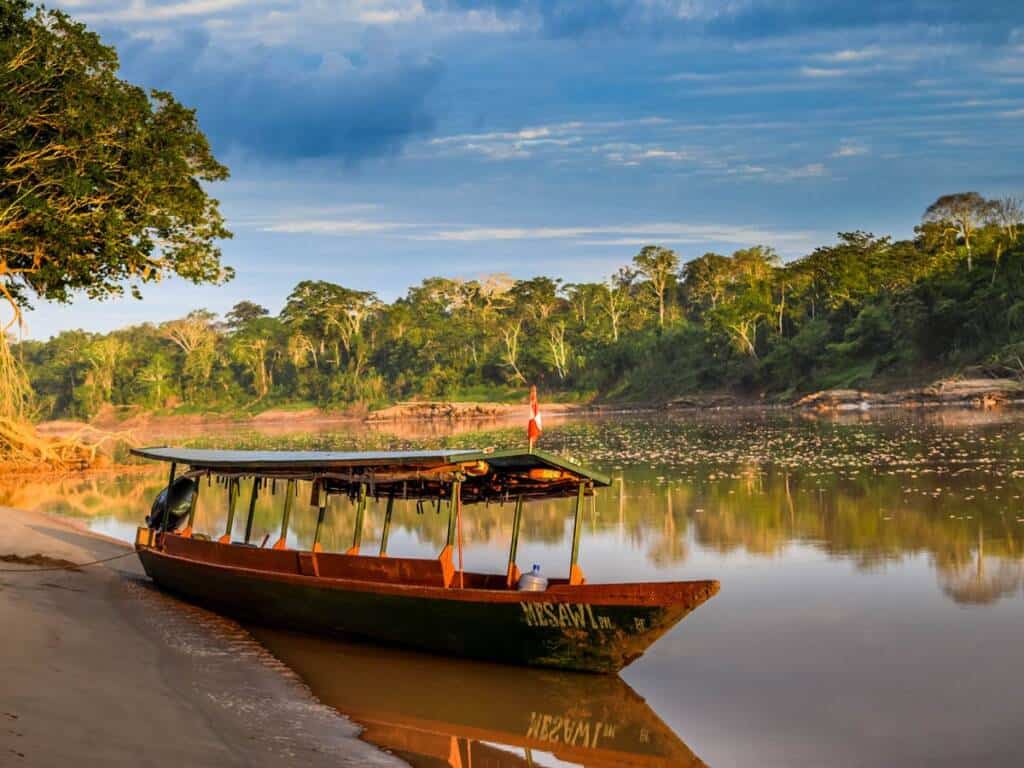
(957, 393)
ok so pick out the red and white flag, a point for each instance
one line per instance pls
(534, 428)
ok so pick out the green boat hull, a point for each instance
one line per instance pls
(549, 630)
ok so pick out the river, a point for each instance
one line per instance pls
(870, 613)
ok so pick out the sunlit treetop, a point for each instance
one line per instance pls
(101, 186)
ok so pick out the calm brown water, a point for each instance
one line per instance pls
(871, 609)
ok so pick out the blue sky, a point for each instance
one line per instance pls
(377, 143)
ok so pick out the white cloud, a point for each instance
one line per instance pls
(472, 234)
(625, 234)
(665, 154)
(389, 13)
(849, 55)
(314, 25)
(521, 143)
(697, 77)
(139, 10)
(822, 72)
(774, 174)
(774, 86)
(602, 235)
(334, 226)
(628, 154)
(809, 171)
(1011, 64)
(710, 149)
(851, 149)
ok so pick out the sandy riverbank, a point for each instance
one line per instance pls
(98, 668)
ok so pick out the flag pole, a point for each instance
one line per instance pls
(533, 429)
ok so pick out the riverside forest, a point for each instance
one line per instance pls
(865, 311)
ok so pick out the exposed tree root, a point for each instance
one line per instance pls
(21, 446)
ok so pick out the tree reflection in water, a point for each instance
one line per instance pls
(874, 491)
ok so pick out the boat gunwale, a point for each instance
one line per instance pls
(690, 593)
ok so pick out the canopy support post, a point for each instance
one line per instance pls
(454, 515)
(320, 497)
(232, 503)
(457, 501)
(289, 499)
(357, 534)
(252, 508)
(512, 572)
(451, 514)
(575, 572)
(167, 508)
(187, 533)
(387, 525)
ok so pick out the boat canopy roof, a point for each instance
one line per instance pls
(486, 475)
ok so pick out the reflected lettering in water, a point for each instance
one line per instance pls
(434, 711)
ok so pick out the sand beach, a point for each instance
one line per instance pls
(101, 669)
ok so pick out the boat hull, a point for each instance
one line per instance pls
(592, 628)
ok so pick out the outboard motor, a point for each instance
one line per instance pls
(176, 501)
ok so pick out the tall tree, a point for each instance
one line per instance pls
(659, 266)
(195, 336)
(1008, 214)
(962, 213)
(617, 298)
(244, 312)
(748, 302)
(536, 298)
(330, 314)
(705, 279)
(103, 355)
(256, 346)
(558, 348)
(510, 334)
(101, 183)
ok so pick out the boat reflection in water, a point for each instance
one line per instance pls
(435, 712)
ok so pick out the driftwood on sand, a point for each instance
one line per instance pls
(977, 393)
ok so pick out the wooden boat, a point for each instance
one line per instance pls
(428, 604)
(467, 713)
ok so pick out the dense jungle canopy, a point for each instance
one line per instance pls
(101, 188)
(865, 310)
(104, 188)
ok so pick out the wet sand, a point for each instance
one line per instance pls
(98, 668)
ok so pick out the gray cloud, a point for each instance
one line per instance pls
(280, 102)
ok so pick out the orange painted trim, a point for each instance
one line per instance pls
(447, 567)
(512, 578)
(576, 577)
